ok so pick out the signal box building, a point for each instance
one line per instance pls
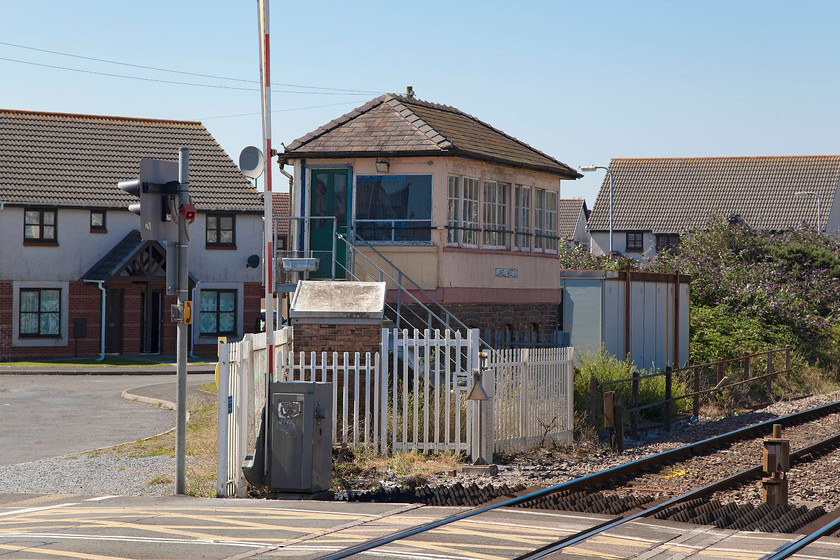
(76, 279)
(467, 212)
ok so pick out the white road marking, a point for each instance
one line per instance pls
(30, 510)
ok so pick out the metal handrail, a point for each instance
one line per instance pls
(398, 282)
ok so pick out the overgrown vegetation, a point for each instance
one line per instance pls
(606, 367)
(750, 291)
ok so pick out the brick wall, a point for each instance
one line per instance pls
(84, 303)
(327, 337)
(5, 321)
(518, 318)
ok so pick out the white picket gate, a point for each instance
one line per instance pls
(534, 397)
(241, 399)
(424, 386)
(413, 400)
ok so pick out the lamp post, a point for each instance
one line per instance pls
(588, 168)
(819, 216)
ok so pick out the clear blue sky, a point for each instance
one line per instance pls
(581, 81)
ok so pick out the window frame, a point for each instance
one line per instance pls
(402, 226)
(40, 239)
(496, 215)
(103, 228)
(522, 218)
(667, 241)
(39, 313)
(217, 217)
(638, 245)
(545, 221)
(453, 210)
(218, 293)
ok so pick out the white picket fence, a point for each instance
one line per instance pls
(242, 395)
(415, 400)
(534, 397)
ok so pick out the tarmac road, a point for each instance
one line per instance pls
(44, 416)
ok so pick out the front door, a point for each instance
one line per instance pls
(151, 302)
(330, 196)
(113, 320)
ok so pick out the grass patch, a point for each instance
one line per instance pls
(107, 362)
(362, 469)
(200, 472)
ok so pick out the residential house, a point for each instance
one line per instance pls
(572, 218)
(655, 200)
(76, 279)
(469, 213)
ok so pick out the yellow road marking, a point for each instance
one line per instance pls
(717, 553)
(577, 551)
(55, 553)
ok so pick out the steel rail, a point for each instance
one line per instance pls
(728, 482)
(597, 479)
(792, 548)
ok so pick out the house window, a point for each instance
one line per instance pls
(394, 208)
(522, 218)
(496, 225)
(635, 241)
(218, 312)
(220, 230)
(39, 225)
(40, 312)
(545, 221)
(666, 241)
(97, 221)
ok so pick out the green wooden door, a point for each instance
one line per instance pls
(329, 196)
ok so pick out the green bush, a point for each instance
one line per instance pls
(606, 367)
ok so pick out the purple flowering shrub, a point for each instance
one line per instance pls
(752, 290)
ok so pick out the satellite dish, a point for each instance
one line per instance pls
(251, 162)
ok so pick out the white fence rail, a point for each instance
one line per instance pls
(356, 384)
(534, 397)
(424, 388)
(242, 396)
(413, 399)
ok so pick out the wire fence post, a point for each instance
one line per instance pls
(634, 404)
(593, 401)
(769, 374)
(787, 362)
(668, 381)
(695, 403)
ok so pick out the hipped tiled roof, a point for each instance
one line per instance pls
(76, 160)
(280, 207)
(672, 195)
(394, 125)
(568, 213)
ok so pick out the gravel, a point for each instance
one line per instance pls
(94, 475)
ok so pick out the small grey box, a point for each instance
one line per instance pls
(301, 437)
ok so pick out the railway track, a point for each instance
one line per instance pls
(599, 493)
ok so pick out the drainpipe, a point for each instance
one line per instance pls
(101, 286)
(192, 330)
(292, 223)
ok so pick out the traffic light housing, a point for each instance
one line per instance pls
(157, 183)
